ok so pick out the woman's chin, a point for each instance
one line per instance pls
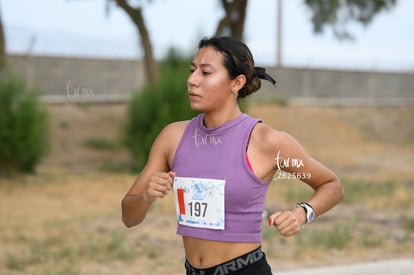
(196, 107)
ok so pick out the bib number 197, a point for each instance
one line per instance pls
(198, 209)
(199, 202)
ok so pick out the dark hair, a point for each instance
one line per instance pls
(238, 60)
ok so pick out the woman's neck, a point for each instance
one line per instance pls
(215, 119)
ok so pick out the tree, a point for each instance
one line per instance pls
(334, 13)
(232, 23)
(2, 44)
(338, 13)
(137, 18)
(135, 13)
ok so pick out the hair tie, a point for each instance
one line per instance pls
(261, 73)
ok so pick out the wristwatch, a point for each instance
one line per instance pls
(310, 214)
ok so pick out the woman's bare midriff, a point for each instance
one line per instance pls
(206, 253)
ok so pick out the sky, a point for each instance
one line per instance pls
(87, 28)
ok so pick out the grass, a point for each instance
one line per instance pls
(79, 226)
(408, 223)
(357, 230)
(114, 167)
(336, 237)
(99, 143)
(58, 251)
(379, 195)
(371, 239)
(62, 227)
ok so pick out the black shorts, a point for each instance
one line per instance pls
(252, 263)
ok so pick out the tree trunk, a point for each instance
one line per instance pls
(233, 21)
(2, 44)
(135, 14)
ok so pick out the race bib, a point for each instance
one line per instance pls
(199, 202)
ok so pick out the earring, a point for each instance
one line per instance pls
(235, 92)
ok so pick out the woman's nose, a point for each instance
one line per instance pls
(192, 79)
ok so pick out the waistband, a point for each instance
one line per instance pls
(236, 264)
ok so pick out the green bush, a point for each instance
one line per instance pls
(152, 108)
(23, 127)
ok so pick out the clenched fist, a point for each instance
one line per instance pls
(159, 185)
(288, 222)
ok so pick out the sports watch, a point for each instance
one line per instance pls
(310, 214)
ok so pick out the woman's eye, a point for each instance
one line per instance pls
(202, 72)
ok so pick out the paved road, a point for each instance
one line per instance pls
(392, 267)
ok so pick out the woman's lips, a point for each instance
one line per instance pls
(193, 95)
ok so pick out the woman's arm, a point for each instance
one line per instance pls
(328, 191)
(155, 180)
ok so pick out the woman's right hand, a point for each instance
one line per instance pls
(160, 184)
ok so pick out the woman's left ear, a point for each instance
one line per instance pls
(239, 82)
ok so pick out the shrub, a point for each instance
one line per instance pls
(154, 107)
(23, 127)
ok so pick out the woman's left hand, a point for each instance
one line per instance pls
(288, 222)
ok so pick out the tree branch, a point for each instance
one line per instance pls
(135, 14)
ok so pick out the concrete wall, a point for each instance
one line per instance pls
(341, 87)
(80, 79)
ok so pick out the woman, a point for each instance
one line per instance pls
(220, 164)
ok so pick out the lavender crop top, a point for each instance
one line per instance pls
(220, 153)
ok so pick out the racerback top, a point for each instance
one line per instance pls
(220, 153)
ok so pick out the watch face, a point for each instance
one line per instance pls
(309, 212)
(311, 215)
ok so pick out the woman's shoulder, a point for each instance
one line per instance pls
(177, 125)
(175, 128)
(264, 132)
(268, 136)
(170, 136)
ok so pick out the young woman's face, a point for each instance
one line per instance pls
(209, 85)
